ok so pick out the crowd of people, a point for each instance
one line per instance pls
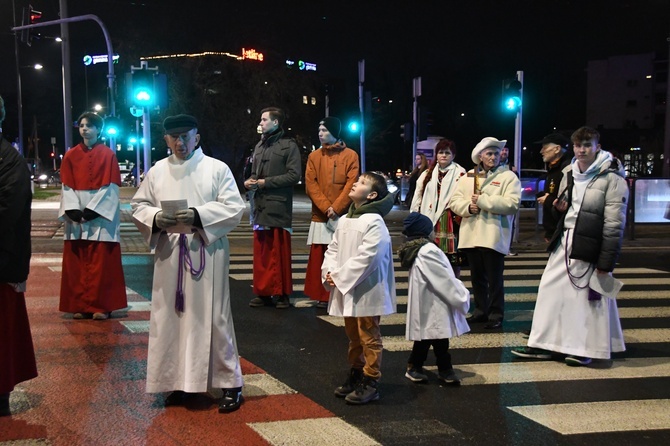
(189, 202)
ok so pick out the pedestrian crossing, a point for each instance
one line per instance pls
(644, 308)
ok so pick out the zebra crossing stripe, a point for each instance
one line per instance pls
(515, 339)
(518, 315)
(532, 371)
(330, 430)
(597, 417)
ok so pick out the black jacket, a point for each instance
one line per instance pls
(15, 198)
(551, 184)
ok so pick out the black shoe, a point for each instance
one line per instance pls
(231, 400)
(354, 378)
(282, 302)
(261, 301)
(176, 398)
(494, 325)
(4, 405)
(481, 318)
(365, 392)
(449, 377)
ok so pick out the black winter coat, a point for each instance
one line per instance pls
(15, 198)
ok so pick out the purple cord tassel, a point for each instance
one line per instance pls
(179, 303)
(184, 255)
(179, 298)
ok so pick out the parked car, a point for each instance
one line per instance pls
(48, 178)
(391, 186)
(532, 181)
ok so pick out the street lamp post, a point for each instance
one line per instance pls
(53, 151)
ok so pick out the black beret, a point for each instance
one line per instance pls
(179, 124)
(555, 138)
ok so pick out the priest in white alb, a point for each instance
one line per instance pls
(184, 208)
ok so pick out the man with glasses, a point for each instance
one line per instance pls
(556, 157)
(487, 198)
(184, 208)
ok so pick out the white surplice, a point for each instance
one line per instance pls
(437, 301)
(195, 350)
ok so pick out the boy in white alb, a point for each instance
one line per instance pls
(437, 301)
(358, 269)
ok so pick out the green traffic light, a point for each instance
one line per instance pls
(143, 97)
(513, 103)
(353, 126)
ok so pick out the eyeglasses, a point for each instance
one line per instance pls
(184, 137)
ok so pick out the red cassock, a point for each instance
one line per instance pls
(92, 279)
(17, 357)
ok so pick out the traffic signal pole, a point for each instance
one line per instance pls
(361, 101)
(416, 92)
(66, 88)
(517, 146)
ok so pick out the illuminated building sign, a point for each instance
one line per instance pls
(302, 65)
(100, 58)
(252, 54)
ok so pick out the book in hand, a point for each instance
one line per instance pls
(169, 208)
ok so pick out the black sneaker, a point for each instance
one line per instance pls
(282, 302)
(415, 374)
(261, 301)
(364, 393)
(449, 377)
(530, 352)
(355, 377)
(577, 361)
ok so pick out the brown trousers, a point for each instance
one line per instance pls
(365, 344)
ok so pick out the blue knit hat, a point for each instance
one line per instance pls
(416, 224)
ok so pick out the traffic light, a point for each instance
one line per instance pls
(353, 126)
(424, 124)
(407, 131)
(146, 88)
(112, 126)
(143, 88)
(512, 95)
(29, 17)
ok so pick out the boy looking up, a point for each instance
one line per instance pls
(358, 269)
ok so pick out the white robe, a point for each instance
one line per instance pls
(195, 350)
(565, 320)
(104, 201)
(437, 301)
(360, 262)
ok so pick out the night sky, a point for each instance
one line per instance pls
(461, 49)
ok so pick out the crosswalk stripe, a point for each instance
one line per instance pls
(600, 416)
(515, 339)
(524, 371)
(518, 316)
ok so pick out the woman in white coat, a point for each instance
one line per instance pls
(437, 301)
(433, 191)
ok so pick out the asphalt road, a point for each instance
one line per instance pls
(502, 400)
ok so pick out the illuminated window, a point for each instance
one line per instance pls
(304, 100)
(313, 100)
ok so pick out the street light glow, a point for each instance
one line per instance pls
(38, 66)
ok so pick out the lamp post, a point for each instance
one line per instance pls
(53, 151)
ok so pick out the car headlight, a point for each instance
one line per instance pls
(43, 177)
